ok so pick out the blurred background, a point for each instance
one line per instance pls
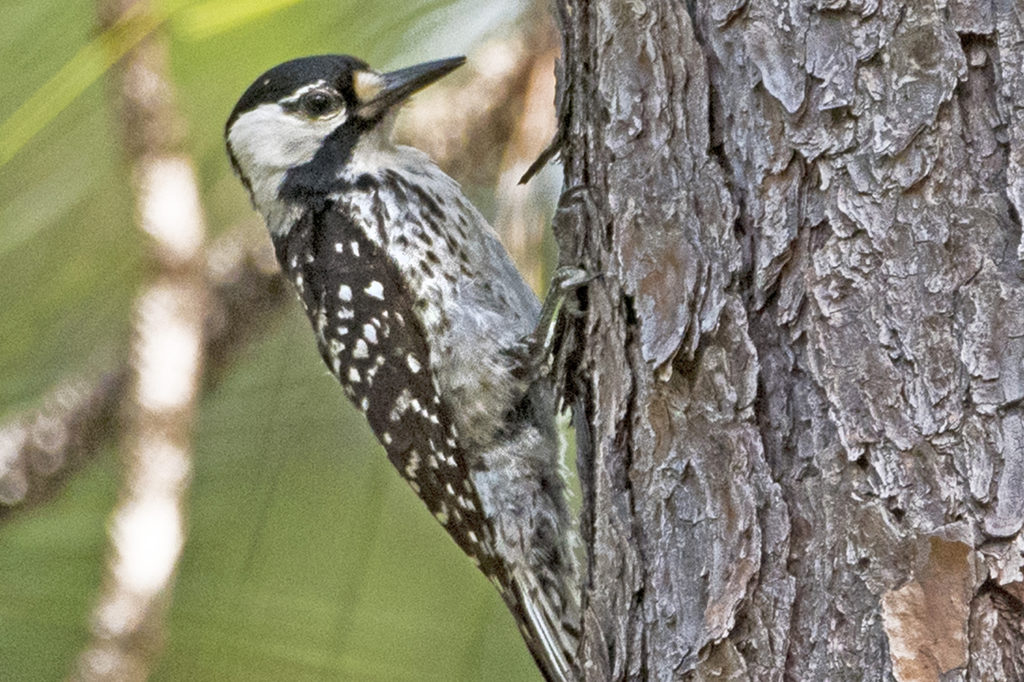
(304, 557)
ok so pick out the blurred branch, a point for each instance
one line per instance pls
(39, 450)
(147, 528)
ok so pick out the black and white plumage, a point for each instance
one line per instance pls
(420, 314)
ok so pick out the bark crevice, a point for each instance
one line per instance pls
(823, 250)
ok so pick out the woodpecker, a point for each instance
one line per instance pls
(421, 316)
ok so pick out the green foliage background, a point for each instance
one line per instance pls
(307, 558)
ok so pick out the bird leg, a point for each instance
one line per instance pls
(536, 349)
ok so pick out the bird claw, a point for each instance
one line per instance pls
(538, 346)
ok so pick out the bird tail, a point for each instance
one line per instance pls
(550, 629)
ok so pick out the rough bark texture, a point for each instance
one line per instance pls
(803, 365)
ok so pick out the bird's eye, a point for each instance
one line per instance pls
(318, 103)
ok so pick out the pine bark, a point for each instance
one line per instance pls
(801, 365)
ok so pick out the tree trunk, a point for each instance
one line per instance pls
(802, 364)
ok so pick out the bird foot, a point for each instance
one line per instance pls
(538, 346)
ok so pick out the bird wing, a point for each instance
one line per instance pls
(369, 338)
(550, 639)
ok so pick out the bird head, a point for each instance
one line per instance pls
(297, 125)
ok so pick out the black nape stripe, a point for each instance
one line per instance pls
(319, 177)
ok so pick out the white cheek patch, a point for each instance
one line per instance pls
(268, 139)
(267, 142)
